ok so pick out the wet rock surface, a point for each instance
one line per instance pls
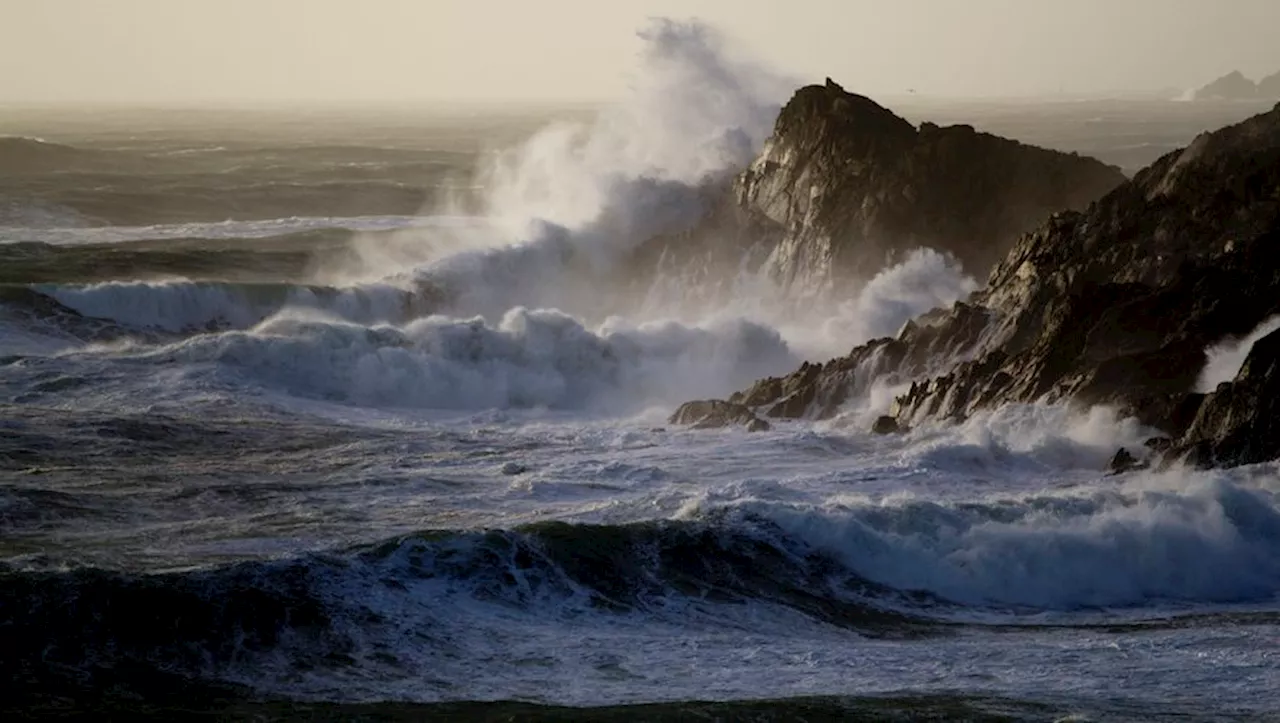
(844, 186)
(1115, 305)
(714, 413)
(1239, 423)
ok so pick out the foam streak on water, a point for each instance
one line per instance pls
(454, 479)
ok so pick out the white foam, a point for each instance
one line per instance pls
(531, 358)
(1035, 438)
(573, 201)
(924, 280)
(1225, 359)
(1210, 542)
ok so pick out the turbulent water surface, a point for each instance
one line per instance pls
(273, 438)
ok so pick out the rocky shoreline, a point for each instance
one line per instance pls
(1115, 304)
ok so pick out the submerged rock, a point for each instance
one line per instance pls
(512, 469)
(886, 424)
(713, 413)
(1124, 461)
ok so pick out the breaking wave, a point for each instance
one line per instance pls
(1225, 359)
(1204, 541)
(416, 606)
(530, 358)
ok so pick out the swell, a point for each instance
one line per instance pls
(426, 607)
(395, 606)
(289, 256)
(179, 307)
(176, 698)
(399, 603)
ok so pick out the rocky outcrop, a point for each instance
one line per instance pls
(713, 413)
(1235, 86)
(1117, 306)
(886, 424)
(819, 390)
(845, 185)
(1114, 306)
(1239, 423)
(1232, 86)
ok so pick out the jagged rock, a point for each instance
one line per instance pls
(1232, 86)
(1124, 461)
(1159, 445)
(886, 424)
(1112, 306)
(1117, 306)
(846, 184)
(713, 413)
(1239, 423)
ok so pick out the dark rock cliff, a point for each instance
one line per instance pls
(843, 186)
(1115, 305)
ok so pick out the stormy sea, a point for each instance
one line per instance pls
(354, 413)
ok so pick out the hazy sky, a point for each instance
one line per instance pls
(194, 50)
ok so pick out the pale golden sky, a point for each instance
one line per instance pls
(255, 50)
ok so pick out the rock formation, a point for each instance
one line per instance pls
(715, 413)
(1239, 423)
(1232, 86)
(843, 185)
(1114, 306)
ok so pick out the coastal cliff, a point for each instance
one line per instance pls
(1115, 305)
(844, 186)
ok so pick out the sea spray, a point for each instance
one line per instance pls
(1225, 359)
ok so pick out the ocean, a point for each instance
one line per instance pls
(346, 413)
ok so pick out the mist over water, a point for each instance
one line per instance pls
(434, 462)
(562, 213)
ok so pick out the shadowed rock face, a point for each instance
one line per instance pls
(1239, 423)
(843, 186)
(1116, 305)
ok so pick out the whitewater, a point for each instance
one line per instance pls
(440, 470)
